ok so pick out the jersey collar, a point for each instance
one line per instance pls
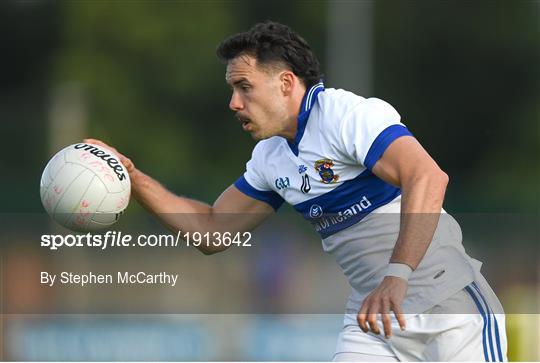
(310, 98)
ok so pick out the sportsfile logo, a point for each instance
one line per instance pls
(336, 218)
(111, 160)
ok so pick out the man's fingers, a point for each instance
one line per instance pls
(399, 315)
(101, 143)
(372, 321)
(385, 315)
(125, 161)
(96, 142)
(361, 318)
(128, 164)
(367, 317)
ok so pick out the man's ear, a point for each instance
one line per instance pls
(288, 82)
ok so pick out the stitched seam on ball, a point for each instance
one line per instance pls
(67, 188)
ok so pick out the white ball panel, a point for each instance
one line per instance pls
(115, 203)
(51, 170)
(72, 196)
(87, 206)
(56, 189)
(104, 219)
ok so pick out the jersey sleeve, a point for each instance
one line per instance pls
(254, 184)
(369, 129)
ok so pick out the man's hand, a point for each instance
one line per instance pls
(128, 164)
(387, 297)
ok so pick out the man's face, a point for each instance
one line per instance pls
(257, 98)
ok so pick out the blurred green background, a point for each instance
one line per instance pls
(464, 77)
(142, 76)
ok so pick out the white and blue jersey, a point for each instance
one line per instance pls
(326, 172)
(326, 175)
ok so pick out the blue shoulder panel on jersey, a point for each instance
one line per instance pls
(382, 141)
(348, 203)
(307, 103)
(270, 197)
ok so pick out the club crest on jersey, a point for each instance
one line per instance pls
(324, 168)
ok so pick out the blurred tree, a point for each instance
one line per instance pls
(464, 76)
(466, 81)
(155, 87)
(149, 72)
(28, 33)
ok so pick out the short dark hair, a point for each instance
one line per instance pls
(272, 42)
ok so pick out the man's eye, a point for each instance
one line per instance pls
(245, 87)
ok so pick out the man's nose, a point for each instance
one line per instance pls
(236, 103)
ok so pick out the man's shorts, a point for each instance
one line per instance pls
(469, 326)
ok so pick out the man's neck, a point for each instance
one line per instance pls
(292, 123)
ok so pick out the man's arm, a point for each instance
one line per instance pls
(232, 212)
(423, 184)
